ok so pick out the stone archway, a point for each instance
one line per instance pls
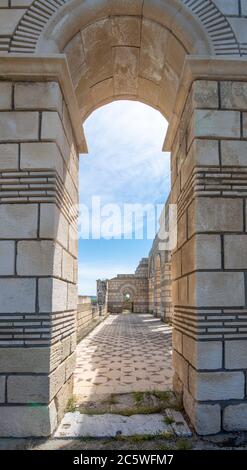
(162, 53)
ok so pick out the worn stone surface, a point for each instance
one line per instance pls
(110, 425)
(28, 389)
(20, 221)
(28, 421)
(216, 385)
(235, 417)
(124, 354)
(7, 257)
(236, 354)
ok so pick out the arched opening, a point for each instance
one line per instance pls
(88, 54)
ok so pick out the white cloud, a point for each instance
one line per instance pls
(88, 274)
(125, 162)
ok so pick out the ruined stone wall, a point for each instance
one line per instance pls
(134, 284)
(38, 251)
(160, 305)
(209, 171)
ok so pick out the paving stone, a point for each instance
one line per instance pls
(110, 425)
(104, 366)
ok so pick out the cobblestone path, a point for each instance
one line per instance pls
(125, 353)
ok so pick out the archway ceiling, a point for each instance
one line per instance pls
(125, 57)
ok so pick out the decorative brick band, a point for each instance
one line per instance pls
(39, 13)
(211, 324)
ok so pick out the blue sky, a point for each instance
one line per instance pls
(125, 165)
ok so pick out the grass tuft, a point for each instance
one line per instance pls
(71, 405)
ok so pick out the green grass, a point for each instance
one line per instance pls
(168, 420)
(71, 405)
(183, 444)
(163, 396)
(139, 397)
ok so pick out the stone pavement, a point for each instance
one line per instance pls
(125, 353)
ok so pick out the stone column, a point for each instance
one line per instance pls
(38, 255)
(209, 184)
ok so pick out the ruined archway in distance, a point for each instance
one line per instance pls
(59, 63)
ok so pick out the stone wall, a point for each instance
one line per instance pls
(209, 171)
(38, 250)
(160, 304)
(88, 316)
(136, 285)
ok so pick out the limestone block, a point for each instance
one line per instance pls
(28, 421)
(38, 96)
(205, 418)
(9, 19)
(70, 365)
(53, 224)
(73, 241)
(75, 56)
(56, 380)
(17, 295)
(183, 290)
(234, 94)
(181, 367)
(21, 3)
(239, 27)
(7, 258)
(126, 31)
(25, 360)
(28, 389)
(20, 220)
(244, 7)
(2, 389)
(52, 295)
(235, 417)
(66, 350)
(148, 91)
(206, 152)
(201, 252)
(63, 396)
(68, 267)
(5, 95)
(177, 340)
(175, 53)
(205, 94)
(39, 258)
(233, 152)
(217, 215)
(244, 124)
(125, 70)
(102, 91)
(217, 289)
(8, 157)
(235, 251)
(182, 229)
(72, 297)
(176, 264)
(52, 129)
(152, 57)
(207, 123)
(203, 354)
(41, 156)
(216, 385)
(229, 7)
(236, 354)
(202, 153)
(18, 125)
(97, 44)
